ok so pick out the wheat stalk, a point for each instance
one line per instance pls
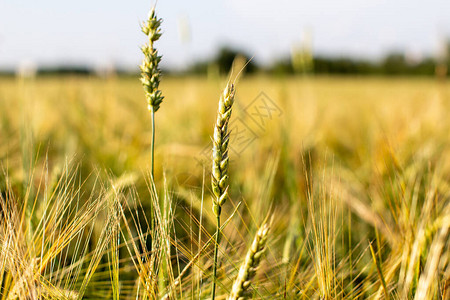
(219, 176)
(250, 264)
(150, 72)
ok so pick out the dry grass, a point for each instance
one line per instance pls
(354, 170)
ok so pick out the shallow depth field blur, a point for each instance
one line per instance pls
(352, 173)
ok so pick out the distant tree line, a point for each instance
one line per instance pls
(395, 63)
(301, 62)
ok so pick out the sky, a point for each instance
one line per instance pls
(101, 32)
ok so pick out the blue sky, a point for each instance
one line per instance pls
(100, 32)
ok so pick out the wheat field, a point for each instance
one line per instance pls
(351, 174)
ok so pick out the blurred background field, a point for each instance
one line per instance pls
(105, 121)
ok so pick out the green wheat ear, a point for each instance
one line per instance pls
(250, 265)
(149, 68)
(219, 178)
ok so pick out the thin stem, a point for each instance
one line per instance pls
(153, 142)
(152, 225)
(216, 252)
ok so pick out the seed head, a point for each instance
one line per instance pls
(149, 68)
(248, 268)
(219, 177)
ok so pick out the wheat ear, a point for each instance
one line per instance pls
(250, 265)
(150, 72)
(219, 176)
